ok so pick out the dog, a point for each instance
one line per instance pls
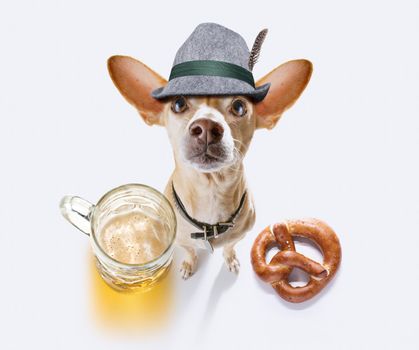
(210, 132)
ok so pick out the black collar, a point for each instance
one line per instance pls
(209, 230)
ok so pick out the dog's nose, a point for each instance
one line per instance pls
(206, 130)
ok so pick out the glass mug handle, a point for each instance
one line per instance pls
(77, 212)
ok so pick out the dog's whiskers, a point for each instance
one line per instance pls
(237, 158)
(237, 144)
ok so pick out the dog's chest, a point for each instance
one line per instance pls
(211, 209)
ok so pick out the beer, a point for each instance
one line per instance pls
(133, 238)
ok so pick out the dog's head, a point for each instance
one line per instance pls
(209, 133)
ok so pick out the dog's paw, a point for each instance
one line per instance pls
(187, 269)
(233, 263)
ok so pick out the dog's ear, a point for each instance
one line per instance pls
(135, 81)
(287, 83)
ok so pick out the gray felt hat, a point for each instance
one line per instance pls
(214, 60)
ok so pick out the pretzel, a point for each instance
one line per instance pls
(277, 271)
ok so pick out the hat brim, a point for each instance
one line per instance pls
(202, 85)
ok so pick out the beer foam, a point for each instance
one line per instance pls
(133, 238)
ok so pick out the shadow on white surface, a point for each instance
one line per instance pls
(188, 287)
(225, 280)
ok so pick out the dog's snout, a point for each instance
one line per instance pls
(206, 130)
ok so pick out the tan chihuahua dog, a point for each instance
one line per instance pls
(210, 134)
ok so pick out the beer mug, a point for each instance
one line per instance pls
(132, 231)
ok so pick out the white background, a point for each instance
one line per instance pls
(347, 153)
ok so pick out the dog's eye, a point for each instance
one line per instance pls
(238, 108)
(179, 105)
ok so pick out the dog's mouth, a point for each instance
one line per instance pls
(208, 160)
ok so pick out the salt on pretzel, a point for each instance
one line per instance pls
(277, 271)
